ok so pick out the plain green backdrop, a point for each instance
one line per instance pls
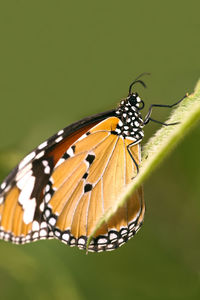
(64, 60)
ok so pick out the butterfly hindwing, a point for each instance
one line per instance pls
(86, 182)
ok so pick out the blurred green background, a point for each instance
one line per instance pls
(64, 60)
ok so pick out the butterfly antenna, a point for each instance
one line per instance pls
(137, 80)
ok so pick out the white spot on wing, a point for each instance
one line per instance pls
(52, 221)
(28, 237)
(47, 188)
(22, 182)
(137, 228)
(29, 210)
(42, 206)
(47, 213)
(35, 235)
(102, 241)
(27, 203)
(57, 233)
(35, 226)
(39, 155)
(6, 236)
(120, 241)
(72, 242)
(118, 130)
(47, 170)
(70, 152)
(26, 160)
(41, 146)
(81, 241)
(120, 123)
(113, 236)
(43, 225)
(51, 233)
(58, 139)
(27, 190)
(47, 197)
(23, 172)
(45, 163)
(3, 185)
(124, 232)
(43, 233)
(60, 132)
(66, 236)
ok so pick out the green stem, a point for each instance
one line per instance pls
(158, 147)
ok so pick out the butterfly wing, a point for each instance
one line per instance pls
(21, 194)
(86, 182)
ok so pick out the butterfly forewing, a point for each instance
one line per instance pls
(22, 192)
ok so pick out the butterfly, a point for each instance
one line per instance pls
(62, 188)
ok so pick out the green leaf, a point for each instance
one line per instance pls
(158, 147)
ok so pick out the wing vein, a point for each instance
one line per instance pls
(77, 203)
(125, 178)
(107, 161)
(87, 214)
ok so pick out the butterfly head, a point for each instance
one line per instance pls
(130, 106)
(135, 101)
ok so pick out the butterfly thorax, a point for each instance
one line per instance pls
(131, 123)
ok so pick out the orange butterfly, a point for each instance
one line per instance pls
(62, 188)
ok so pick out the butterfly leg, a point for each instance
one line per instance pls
(131, 155)
(148, 116)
